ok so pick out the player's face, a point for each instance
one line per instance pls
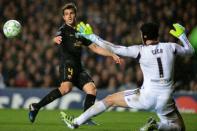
(69, 17)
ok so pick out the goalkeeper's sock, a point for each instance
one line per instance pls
(96, 109)
(54, 94)
(89, 101)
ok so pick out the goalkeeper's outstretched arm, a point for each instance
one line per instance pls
(131, 51)
(179, 32)
(186, 48)
(85, 30)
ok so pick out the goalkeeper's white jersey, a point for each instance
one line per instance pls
(156, 61)
(157, 64)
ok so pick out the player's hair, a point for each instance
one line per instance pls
(69, 6)
(150, 31)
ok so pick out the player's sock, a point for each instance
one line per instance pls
(54, 94)
(168, 126)
(89, 101)
(96, 109)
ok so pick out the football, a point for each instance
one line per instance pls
(11, 28)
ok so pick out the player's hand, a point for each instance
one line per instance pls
(57, 39)
(179, 30)
(85, 29)
(116, 58)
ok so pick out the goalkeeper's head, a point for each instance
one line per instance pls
(149, 31)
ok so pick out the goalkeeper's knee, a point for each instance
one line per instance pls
(109, 101)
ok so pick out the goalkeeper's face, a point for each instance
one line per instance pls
(69, 17)
(143, 39)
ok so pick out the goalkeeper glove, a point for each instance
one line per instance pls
(85, 30)
(179, 30)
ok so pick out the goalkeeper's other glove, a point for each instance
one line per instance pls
(179, 30)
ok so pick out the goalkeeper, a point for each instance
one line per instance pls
(156, 60)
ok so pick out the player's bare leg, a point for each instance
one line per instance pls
(34, 108)
(116, 99)
(65, 87)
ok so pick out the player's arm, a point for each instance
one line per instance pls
(86, 31)
(186, 48)
(58, 37)
(101, 51)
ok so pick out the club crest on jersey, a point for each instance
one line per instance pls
(71, 35)
(157, 51)
(78, 44)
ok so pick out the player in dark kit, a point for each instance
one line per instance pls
(71, 69)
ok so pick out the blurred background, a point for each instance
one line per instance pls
(31, 61)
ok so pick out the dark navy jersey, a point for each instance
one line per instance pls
(71, 46)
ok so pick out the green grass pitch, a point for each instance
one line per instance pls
(17, 120)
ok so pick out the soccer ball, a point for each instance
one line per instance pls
(11, 28)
